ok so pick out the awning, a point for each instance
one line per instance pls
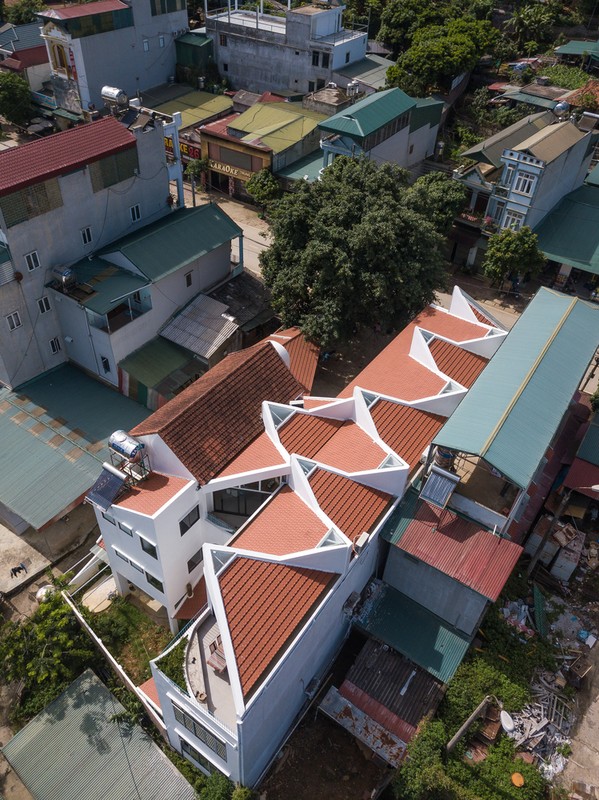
(106, 488)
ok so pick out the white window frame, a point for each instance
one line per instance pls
(135, 213)
(43, 304)
(55, 345)
(86, 235)
(13, 320)
(513, 220)
(525, 183)
(32, 260)
(161, 41)
(146, 45)
(509, 174)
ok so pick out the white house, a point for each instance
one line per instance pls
(259, 521)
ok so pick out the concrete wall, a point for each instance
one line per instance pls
(36, 76)
(56, 236)
(444, 596)
(393, 149)
(422, 143)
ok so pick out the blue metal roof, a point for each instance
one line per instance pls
(589, 447)
(512, 412)
(56, 429)
(414, 631)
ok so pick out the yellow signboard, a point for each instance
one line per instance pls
(232, 172)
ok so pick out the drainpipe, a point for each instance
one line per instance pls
(240, 265)
(178, 167)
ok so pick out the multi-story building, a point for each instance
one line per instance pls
(521, 174)
(63, 199)
(129, 45)
(300, 50)
(276, 520)
(386, 126)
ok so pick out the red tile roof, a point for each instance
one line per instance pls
(303, 355)
(460, 549)
(408, 431)
(459, 364)
(257, 455)
(305, 434)
(150, 690)
(265, 605)
(213, 420)
(350, 449)
(194, 604)
(148, 496)
(83, 9)
(38, 161)
(393, 372)
(351, 506)
(285, 525)
(316, 402)
(480, 316)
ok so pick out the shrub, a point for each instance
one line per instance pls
(172, 664)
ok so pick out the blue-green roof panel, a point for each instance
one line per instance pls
(370, 114)
(176, 240)
(589, 447)
(412, 630)
(512, 412)
(108, 285)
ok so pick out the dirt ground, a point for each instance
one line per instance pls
(583, 764)
(344, 773)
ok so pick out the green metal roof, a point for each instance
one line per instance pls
(277, 126)
(56, 429)
(4, 254)
(72, 750)
(589, 447)
(371, 70)
(307, 167)
(569, 234)
(108, 284)
(530, 99)
(369, 114)
(398, 522)
(176, 240)
(512, 412)
(196, 39)
(490, 150)
(578, 48)
(592, 179)
(155, 361)
(412, 630)
(197, 108)
(427, 111)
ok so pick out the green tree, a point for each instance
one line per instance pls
(510, 253)
(15, 98)
(218, 787)
(530, 23)
(350, 250)
(45, 653)
(437, 197)
(263, 187)
(402, 18)
(23, 11)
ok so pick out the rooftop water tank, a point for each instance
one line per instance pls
(114, 97)
(126, 445)
(65, 276)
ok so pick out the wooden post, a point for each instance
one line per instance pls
(478, 711)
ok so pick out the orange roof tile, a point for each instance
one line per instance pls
(150, 690)
(351, 506)
(257, 455)
(407, 431)
(305, 434)
(214, 419)
(148, 496)
(350, 449)
(303, 355)
(194, 604)
(481, 317)
(459, 364)
(265, 605)
(316, 402)
(393, 372)
(285, 525)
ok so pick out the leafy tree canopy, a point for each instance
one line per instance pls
(355, 248)
(23, 11)
(15, 98)
(511, 253)
(263, 187)
(197, 167)
(437, 197)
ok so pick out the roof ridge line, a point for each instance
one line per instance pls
(527, 377)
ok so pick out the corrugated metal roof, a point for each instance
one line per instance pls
(569, 234)
(511, 414)
(307, 168)
(99, 7)
(460, 548)
(370, 70)
(176, 240)
(427, 111)
(196, 107)
(369, 114)
(277, 126)
(156, 360)
(108, 284)
(549, 143)
(202, 326)
(490, 150)
(396, 620)
(73, 750)
(589, 447)
(56, 430)
(21, 37)
(530, 99)
(578, 48)
(581, 476)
